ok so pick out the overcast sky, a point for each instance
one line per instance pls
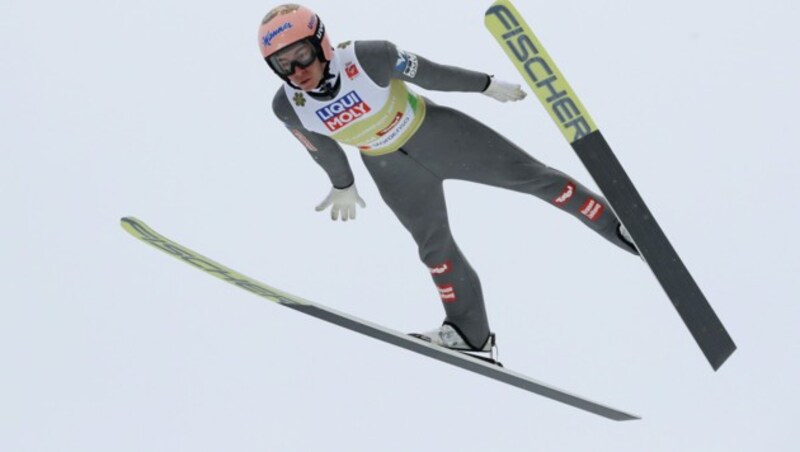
(160, 109)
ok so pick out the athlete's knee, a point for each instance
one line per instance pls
(436, 246)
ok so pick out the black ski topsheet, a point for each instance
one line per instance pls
(543, 77)
(675, 279)
(144, 233)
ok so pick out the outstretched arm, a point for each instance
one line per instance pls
(383, 61)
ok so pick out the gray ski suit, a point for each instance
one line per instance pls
(448, 144)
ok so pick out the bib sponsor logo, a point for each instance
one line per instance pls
(272, 34)
(343, 111)
(392, 134)
(592, 209)
(392, 125)
(442, 269)
(566, 195)
(447, 292)
(351, 70)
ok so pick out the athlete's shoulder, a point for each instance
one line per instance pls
(378, 58)
(380, 50)
(280, 102)
(282, 108)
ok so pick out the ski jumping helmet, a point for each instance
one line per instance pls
(289, 25)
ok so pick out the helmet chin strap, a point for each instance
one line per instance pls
(329, 79)
(329, 85)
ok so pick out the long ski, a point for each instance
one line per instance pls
(142, 232)
(541, 74)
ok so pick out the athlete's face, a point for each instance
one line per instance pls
(300, 64)
(308, 78)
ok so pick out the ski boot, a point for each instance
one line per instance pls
(626, 237)
(448, 336)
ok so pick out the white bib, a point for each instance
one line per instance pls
(375, 119)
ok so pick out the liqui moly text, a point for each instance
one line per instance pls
(343, 111)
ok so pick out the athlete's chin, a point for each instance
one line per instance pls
(305, 84)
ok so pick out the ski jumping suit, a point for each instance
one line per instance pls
(411, 145)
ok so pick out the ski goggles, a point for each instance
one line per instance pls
(298, 55)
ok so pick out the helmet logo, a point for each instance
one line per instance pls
(279, 11)
(267, 38)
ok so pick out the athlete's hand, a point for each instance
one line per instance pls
(504, 91)
(344, 201)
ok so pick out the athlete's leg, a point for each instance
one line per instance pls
(416, 196)
(457, 146)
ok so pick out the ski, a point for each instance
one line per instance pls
(144, 233)
(541, 74)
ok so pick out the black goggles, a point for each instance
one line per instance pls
(285, 61)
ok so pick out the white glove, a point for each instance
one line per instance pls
(504, 91)
(344, 200)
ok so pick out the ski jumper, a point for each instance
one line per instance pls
(410, 145)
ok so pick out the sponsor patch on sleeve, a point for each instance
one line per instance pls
(442, 269)
(566, 195)
(592, 209)
(303, 139)
(447, 292)
(407, 63)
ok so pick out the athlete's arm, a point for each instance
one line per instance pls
(324, 150)
(383, 61)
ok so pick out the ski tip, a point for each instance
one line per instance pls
(134, 226)
(498, 9)
(125, 222)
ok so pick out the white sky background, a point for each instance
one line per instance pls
(160, 109)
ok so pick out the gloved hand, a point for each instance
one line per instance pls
(343, 200)
(504, 91)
